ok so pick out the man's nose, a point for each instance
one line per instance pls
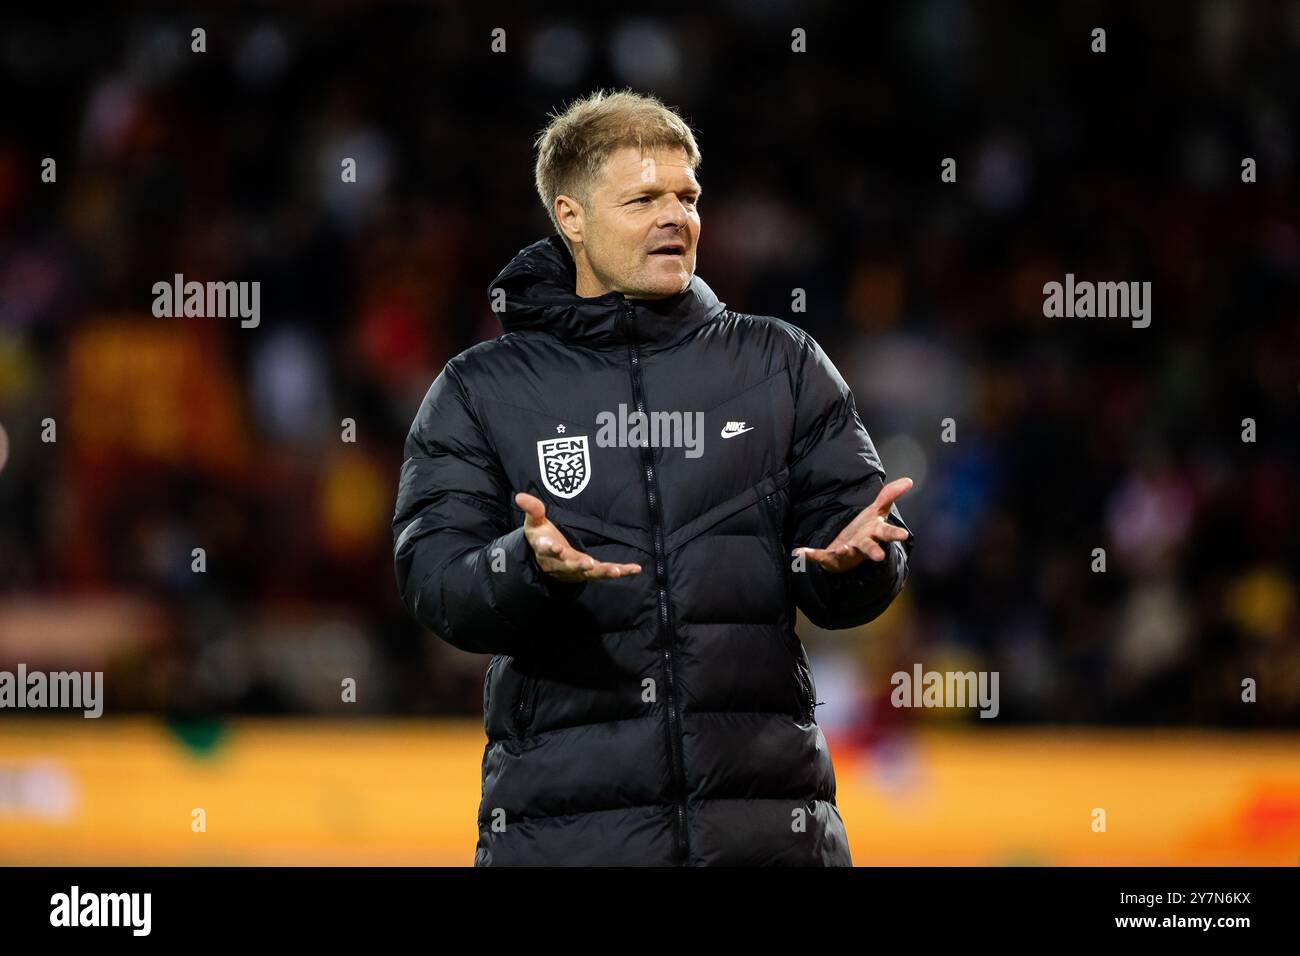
(675, 213)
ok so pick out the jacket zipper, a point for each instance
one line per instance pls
(661, 584)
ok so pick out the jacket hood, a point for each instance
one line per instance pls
(539, 292)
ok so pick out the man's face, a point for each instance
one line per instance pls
(640, 234)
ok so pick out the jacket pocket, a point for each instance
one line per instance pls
(775, 506)
(525, 702)
(807, 693)
(774, 509)
(487, 694)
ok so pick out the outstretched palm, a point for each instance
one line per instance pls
(555, 555)
(862, 537)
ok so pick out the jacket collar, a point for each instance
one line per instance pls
(539, 295)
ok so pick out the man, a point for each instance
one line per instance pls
(647, 702)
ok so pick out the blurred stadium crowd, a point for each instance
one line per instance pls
(822, 173)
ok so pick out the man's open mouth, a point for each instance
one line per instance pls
(669, 249)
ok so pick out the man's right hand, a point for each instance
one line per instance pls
(556, 556)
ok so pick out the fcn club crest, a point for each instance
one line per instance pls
(565, 464)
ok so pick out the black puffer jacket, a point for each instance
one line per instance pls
(665, 718)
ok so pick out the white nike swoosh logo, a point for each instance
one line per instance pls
(727, 434)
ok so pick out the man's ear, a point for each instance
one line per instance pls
(572, 218)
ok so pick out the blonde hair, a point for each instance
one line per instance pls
(573, 148)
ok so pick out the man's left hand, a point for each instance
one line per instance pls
(864, 536)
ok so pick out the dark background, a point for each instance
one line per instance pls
(821, 171)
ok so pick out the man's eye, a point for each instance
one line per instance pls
(642, 199)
